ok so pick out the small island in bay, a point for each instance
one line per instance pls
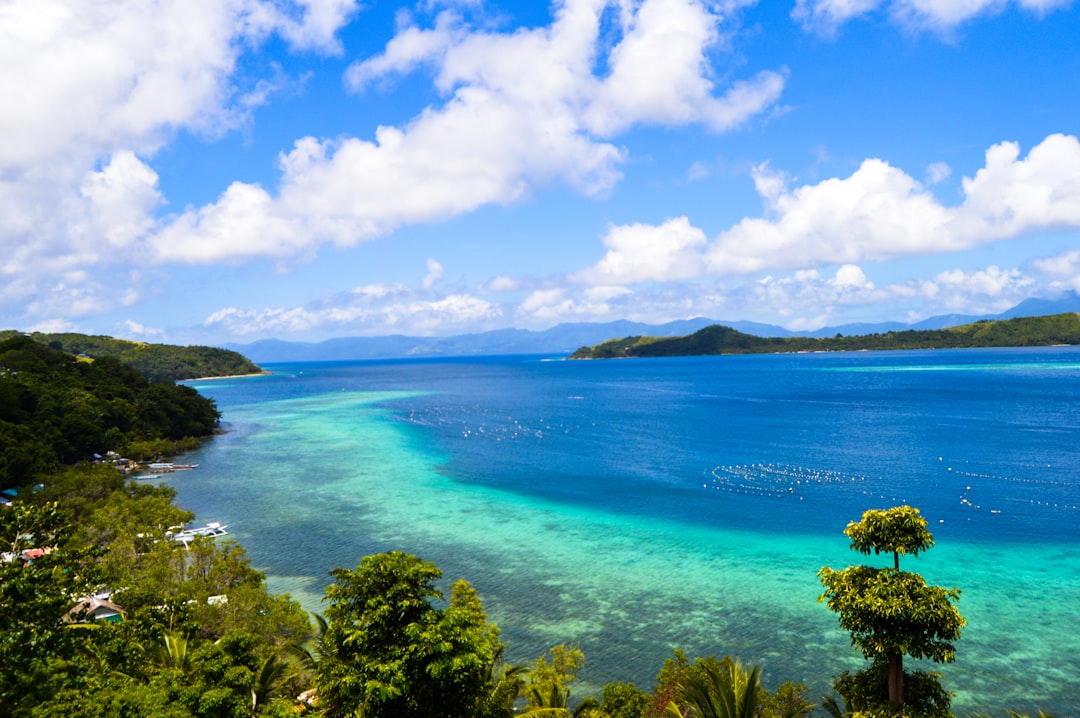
(1052, 330)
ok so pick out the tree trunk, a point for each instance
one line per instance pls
(896, 678)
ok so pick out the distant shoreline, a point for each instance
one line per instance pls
(264, 372)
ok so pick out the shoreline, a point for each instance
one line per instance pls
(264, 372)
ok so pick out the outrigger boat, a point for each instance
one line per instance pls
(186, 536)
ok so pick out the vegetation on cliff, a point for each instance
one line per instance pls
(1049, 330)
(56, 410)
(157, 362)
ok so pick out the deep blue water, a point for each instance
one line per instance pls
(637, 506)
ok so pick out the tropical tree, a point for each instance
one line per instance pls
(556, 704)
(505, 685)
(389, 651)
(891, 613)
(547, 683)
(728, 689)
(41, 576)
(625, 700)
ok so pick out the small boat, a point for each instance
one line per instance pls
(185, 536)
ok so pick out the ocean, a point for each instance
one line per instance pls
(634, 507)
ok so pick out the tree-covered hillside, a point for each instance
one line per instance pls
(56, 409)
(1050, 330)
(157, 362)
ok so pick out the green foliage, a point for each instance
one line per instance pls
(727, 689)
(625, 700)
(865, 693)
(157, 362)
(1022, 332)
(899, 530)
(175, 654)
(790, 701)
(36, 647)
(892, 613)
(389, 651)
(548, 679)
(58, 410)
(505, 683)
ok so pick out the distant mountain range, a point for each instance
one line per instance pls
(567, 338)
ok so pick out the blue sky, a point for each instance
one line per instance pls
(204, 171)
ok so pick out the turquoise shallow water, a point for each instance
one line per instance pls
(635, 507)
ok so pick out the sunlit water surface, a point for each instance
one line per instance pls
(633, 507)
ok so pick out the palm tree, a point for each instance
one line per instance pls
(554, 704)
(727, 690)
(272, 672)
(505, 684)
(832, 707)
(174, 652)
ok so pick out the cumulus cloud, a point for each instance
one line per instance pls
(937, 172)
(640, 253)
(523, 109)
(90, 93)
(1063, 269)
(880, 212)
(808, 299)
(980, 291)
(558, 304)
(135, 329)
(659, 74)
(502, 283)
(1010, 196)
(365, 310)
(434, 274)
(801, 300)
(825, 17)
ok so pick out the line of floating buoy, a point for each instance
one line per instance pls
(773, 480)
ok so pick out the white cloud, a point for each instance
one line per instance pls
(412, 46)
(135, 329)
(120, 201)
(640, 253)
(263, 322)
(979, 291)
(502, 283)
(434, 274)
(937, 172)
(91, 90)
(944, 15)
(1063, 269)
(877, 213)
(524, 109)
(659, 74)
(368, 310)
(1009, 196)
(850, 277)
(807, 300)
(825, 17)
(881, 213)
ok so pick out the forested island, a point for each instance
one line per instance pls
(1052, 330)
(156, 362)
(104, 612)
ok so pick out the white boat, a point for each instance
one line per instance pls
(185, 536)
